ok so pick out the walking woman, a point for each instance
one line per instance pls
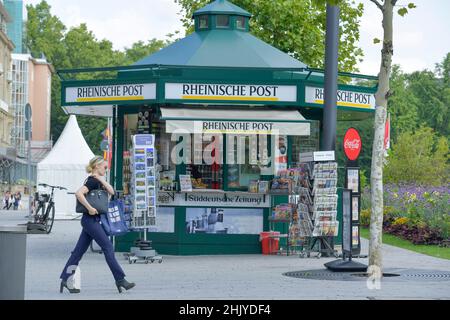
(93, 230)
(6, 200)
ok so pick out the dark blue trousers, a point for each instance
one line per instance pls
(93, 230)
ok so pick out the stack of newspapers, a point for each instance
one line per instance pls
(325, 200)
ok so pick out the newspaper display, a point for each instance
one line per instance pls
(325, 200)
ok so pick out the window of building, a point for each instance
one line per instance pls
(247, 158)
(203, 22)
(205, 167)
(240, 22)
(301, 144)
(223, 21)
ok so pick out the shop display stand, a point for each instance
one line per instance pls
(301, 226)
(143, 196)
(346, 264)
(299, 222)
(322, 203)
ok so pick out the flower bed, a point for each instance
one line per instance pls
(418, 214)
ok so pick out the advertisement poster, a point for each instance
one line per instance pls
(353, 180)
(355, 236)
(185, 183)
(355, 208)
(281, 152)
(166, 220)
(224, 221)
(144, 120)
(346, 220)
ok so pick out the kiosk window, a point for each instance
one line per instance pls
(240, 22)
(203, 22)
(165, 166)
(246, 155)
(302, 144)
(206, 168)
(223, 21)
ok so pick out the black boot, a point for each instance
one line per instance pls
(124, 284)
(64, 285)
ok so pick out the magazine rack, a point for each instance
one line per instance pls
(319, 194)
(292, 182)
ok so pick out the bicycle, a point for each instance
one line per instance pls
(44, 210)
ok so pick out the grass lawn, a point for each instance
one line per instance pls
(431, 250)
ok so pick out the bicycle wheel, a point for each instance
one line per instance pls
(50, 219)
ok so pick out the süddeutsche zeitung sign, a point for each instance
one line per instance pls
(211, 199)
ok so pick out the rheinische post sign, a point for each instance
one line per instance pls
(115, 93)
(344, 98)
(230, 92)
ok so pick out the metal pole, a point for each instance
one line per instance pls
(28, 129)
(29, 172)
(331, 77)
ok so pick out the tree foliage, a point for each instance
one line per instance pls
(421, 98)
(420, 157)
(403, 106)
(433, 96)
(76, 48)
(296, 27)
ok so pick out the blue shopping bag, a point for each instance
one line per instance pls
(113, 222)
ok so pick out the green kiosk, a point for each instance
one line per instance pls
(219, 93)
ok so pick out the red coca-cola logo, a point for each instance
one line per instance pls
(352, 144)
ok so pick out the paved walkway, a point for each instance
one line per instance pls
(212, 277)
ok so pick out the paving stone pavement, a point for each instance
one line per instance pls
(236, 277)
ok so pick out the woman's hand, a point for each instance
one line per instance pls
(98, 177)
(105, 184)
(93, 211)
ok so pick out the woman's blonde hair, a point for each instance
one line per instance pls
(93, 163)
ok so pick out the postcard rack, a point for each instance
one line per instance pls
(143, 183)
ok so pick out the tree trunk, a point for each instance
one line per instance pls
(376, 179)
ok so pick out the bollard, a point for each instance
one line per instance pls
(13, 247)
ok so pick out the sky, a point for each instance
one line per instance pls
(421, 38)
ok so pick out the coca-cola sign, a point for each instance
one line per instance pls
(352, 144)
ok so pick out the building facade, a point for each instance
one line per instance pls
(23, 79)
(7, 151)
(15, 26)
(31, 84)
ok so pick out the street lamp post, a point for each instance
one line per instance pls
(330, 89)
(331, 77)
(28, 128)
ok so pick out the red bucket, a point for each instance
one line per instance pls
(274, 242)
(269, 244)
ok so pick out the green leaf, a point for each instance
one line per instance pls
(376, 40)
(402, 11)
(296, 27)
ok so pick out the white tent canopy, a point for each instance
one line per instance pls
(65, 166)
